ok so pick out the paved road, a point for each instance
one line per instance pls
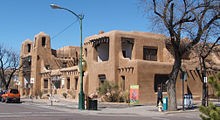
(26, 111)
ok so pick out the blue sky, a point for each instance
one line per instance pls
(23, 19)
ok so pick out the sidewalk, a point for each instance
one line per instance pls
(104, 108)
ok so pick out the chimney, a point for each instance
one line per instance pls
(101, 32)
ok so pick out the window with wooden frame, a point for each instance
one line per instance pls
(150, 53)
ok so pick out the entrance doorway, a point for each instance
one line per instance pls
(160, 80)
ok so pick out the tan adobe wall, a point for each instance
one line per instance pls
(116, 56)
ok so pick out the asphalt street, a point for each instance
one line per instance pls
(36, 111)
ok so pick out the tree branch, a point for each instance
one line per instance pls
(155, 9)
(211, 48)
(216, 17)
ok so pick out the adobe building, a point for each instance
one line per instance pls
(125, 58)
(43, 66)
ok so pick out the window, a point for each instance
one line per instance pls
(43, 41)
(47, 67)
(102, 78)
(124, 53)
(103, 52)
(150, 53)
(68, 83)
(45, 83)
(85, 52)
(29, 47)
(35, 41)
(76, 83)
(64, 64)
(14, 91)
(123, 83)
(160, 80)
(76, 54)
(127, 47)
(101, 46)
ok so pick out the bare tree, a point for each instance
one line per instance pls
(9, 64)
(191, 18)
(203, 50)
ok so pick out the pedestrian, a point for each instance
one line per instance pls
(159, 95)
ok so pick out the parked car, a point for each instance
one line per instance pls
(12, 95)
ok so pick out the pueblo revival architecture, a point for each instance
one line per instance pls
(124, 58)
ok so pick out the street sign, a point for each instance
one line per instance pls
(205, 80)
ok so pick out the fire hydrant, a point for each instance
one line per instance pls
(160, 107)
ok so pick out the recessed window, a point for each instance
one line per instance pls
(150, 53)
(35, 41)
(103, 52)
(101, 46)
(68, 83)
(64, 64)
(43, 41)
(124, 53)
(85, 52)
(45, 83)
(123, 83)
(127, 47)
(47, 67)
(29, 47)
(102, 78)
(76, 83)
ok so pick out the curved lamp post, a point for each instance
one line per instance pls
(81, 93)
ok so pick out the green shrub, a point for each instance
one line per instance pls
(110, 93)
(107, 87)
(124, 97)
(214, 82)
(210, 113)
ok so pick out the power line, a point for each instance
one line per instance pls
(64, 29)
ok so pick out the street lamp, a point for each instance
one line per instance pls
(81, 93)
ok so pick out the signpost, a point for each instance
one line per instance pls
(205, 91)
(183, 77)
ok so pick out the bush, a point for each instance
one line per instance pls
(124, 97)
(210, 113)
(110, 92)
(107, 87)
